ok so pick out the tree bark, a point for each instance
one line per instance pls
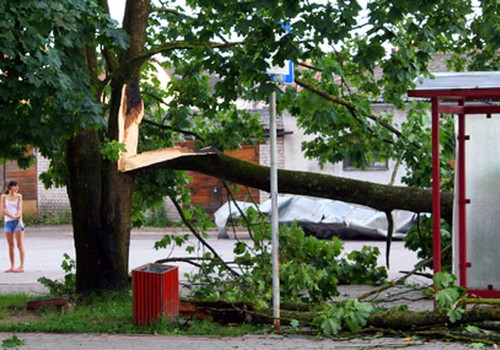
(390, 320)
(400, 320)
(377, 196)
(84, 186)
(100, 199)
(100, 196)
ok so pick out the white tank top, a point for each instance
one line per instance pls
(11, 207)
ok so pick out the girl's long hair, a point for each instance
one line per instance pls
(10, 184)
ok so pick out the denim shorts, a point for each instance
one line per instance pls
(12, 226)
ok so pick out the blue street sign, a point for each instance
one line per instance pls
(282, 75)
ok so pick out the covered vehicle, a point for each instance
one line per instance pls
(323, 218)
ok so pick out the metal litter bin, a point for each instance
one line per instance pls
(155, 292)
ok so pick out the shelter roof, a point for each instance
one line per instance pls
(467, 85)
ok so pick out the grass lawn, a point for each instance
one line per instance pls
(109, 314)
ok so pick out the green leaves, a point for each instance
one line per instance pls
(67, 286)
(13, 342)
(330, 325)
(111, 150)
(448, 295)
(310, 269)
(46, 95)
(350, 314)
(420, 239)
(171, 239)
(360, 267)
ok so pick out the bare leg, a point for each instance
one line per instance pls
(20, 245)
(10, 243)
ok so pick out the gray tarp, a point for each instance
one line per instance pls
(324, 218)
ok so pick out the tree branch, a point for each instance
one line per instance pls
(135, 22)
(400, 280)
(166, 10)
(166, 127)
(201, 239)
(174, 45)
(377, 196)
(306, 65)
(349, 106)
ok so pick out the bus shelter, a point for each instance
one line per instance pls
(474, 100)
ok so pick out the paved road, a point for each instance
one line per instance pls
(45, 246)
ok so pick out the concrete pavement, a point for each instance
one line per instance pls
(45, 341)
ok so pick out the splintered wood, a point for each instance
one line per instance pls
(129, 119)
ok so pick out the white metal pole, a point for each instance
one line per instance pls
(274, 213)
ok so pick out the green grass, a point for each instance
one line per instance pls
(109, 314)
(11, 302)
(64, 218)
(16, 300)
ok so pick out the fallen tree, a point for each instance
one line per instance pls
(396, 320)
(402, 322)
(217, 164)
(377, 196)
(71, 69)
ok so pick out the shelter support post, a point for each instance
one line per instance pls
(462, 201)
(436, 193)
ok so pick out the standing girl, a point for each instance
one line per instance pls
(11, 205)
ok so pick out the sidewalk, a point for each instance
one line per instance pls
(249, 342)
(45, 246)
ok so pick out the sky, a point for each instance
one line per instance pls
(116, 8)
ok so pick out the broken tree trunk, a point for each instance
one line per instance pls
(377, 196)
(404, 320)
(397, 320)
(211, 162)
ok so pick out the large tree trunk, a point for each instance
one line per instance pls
(100, 199)
(100, 196)
(84, 185)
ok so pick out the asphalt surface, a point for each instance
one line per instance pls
(46, 245)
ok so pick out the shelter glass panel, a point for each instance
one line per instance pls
(482, 184)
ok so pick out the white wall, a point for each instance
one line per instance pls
(294, 158)
(53, 201)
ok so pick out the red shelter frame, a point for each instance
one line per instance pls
(456, 100)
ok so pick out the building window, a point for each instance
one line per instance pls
(378, 163)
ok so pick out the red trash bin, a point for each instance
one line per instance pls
(155, 292)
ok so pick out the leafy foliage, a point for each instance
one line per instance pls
(150, 190)
(310, 269)
(351, 314)
(418, 160)
(68, 284)
(46, 95)
(12, 342)
(111, 150)
(361, 267)
(420, 239)
(448, 295)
